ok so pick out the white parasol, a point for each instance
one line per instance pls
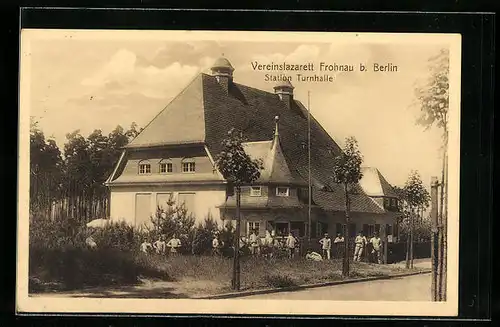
(98, 223)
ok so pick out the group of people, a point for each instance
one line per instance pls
(326, 248)
(262, 246)
(270, 243)
(160, 246)
(361, 243)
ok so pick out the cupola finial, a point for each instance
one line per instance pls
(276, 120)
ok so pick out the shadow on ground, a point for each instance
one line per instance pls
(132, 291)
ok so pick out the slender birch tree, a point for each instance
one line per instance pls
(347, 172)
(416, 196)
(433, 99)
(238, 169)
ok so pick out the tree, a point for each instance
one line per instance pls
(46, 171)
(415, 196)
(433, 98)
(238, 169)
(347, 171)
(72, 184)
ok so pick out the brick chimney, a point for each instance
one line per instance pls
(223, 72)
(284, 90)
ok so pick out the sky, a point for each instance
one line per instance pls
(90, 83)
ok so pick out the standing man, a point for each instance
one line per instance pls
(339, 245)
(254, 243)
(216, 245)
(268, 244)
(290, 243)
(360, 243)
(326, 246)
(159, 245)
(376, 243)
(146, 247)
(174, 244)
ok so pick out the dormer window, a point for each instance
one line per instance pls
(188, 165)
(256, 191)
(282, 191)
(144, 167)
(165, 166)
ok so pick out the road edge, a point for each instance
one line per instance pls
(305, 286)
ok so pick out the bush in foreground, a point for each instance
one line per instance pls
(76, 268)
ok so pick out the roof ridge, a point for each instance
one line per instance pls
(254, 88)
(254, 142)
(166, 107)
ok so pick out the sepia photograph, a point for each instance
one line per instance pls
(202, 172)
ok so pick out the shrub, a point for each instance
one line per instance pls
(119, 236)
(56, 234)
(279, 280)
(174, 220)
(75, 268)
(226, 234)
(203, 236)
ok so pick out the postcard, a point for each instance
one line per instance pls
(202, 172)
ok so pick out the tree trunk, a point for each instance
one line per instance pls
(345, 263)
(236, 257)
(445, 225)
(412, 223)
(441, 237)
(408, 246)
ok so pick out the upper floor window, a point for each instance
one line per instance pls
(387, 202)
(282, 191)
(144, 167)
(166, 166)
(188, 165)
(256, 191)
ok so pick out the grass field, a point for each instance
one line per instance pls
(206, 275)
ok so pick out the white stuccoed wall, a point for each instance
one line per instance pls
(123, 203)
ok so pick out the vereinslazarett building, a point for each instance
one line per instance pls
(174, 157)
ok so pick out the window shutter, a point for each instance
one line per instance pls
(338, 228)
(229, 189)
(366, 229)
(352, 230)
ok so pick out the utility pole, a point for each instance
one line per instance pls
(434, 237)
(309, 165)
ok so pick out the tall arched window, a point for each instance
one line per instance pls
(144, 167)
(165, 166)
(188, 165)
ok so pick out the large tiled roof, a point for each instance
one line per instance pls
(182, 120)
(204, 111)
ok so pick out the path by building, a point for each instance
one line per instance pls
(411, 288)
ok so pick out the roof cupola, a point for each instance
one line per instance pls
(223, 72)
(284, 89)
